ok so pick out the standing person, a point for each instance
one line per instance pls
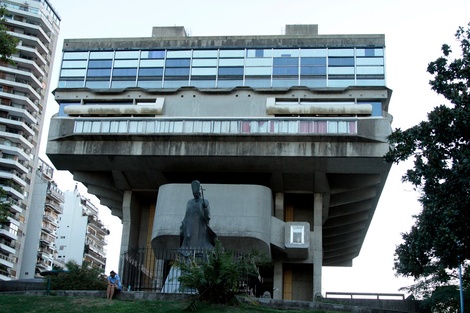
(114, 285)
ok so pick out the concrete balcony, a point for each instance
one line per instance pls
(11, 175)
(13, 192)
(19, 112)
(23, 75)
(17, 151)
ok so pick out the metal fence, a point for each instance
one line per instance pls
(145, 270)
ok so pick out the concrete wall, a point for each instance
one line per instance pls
(240, 215)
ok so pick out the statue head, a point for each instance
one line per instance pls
(196, 187)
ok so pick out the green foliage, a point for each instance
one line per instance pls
(8, 43)
(216, 276)
(39, 304)
(4, 207)
(79, 278)
(439, 147)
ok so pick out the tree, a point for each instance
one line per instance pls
(216, 274)
(439, 240)
(8, 43)
(4, 207)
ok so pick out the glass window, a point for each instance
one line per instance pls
(340, 52)
(259, 53)
(313, 82)
(232, 53)
(231, 62)
(285, 82)
(126, 63)
(74, 64)
(177, 63)
(127, 55)
(229, 83)
(125, 72)
(341, 70)
(286, 61)
(369, 52)
(149, 83)
(313, 52)
(99, 84)
(250, 71)
(313, 70)
(369, 61)
(285, 70)
(101, 54)
(313, 61)
(203, 83)
(156, 71)
(75, 55)
(230, 71)
(286, 52)
(100, 63)
(122, 83)
(71, 83)
(204, 71)
(370, 70)
(259, 62)
(99, 72)
(178, 54)
(204, 62)
(155, 54)
(258, 82)
(73, 73)
(152, 63)
(177, 71)
(205, 53)
(340, 61)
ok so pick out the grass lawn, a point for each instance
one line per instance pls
(56, 304)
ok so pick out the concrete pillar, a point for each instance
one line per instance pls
(131, 217)
(278, 273)
(317, 243)
(279, 206)
(277, 281)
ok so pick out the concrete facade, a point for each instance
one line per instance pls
(291, 127)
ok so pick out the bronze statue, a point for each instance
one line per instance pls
(195, 232)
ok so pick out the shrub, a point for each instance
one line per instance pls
(79, 277)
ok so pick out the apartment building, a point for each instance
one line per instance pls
(81, 236)
(24, 89)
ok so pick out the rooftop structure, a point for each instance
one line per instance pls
(286, 133)
(24, 86)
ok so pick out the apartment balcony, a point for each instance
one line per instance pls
(30, 65)
(12, 174)
(47, 239)
(32, 29)
(7, 246)
(16, 151)
(44, 265)
(23, 75)
(13, 193)
(5, 276)
(51, 219)
(15, 205)
(20, 85)
(6, 261)
(32, 53)
(51, 230)
(19, 125)
(17, 138)
(15, 165)
(57, 207)
(23, 100)
(57, 195)
(95, 238)
(31, 41)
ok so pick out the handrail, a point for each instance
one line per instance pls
(352, 294)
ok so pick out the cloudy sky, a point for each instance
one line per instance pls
(414, 32)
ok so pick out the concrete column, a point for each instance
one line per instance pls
(279, 206)
(317, 243)
(277, 281)
(131, 213)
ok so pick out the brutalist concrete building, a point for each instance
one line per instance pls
(286, 134)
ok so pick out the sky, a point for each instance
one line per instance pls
(414, 33)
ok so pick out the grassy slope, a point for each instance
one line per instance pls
(55, 304)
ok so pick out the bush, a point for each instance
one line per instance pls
(79, 277)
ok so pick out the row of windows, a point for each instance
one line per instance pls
(234, 53)
(214, 68)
